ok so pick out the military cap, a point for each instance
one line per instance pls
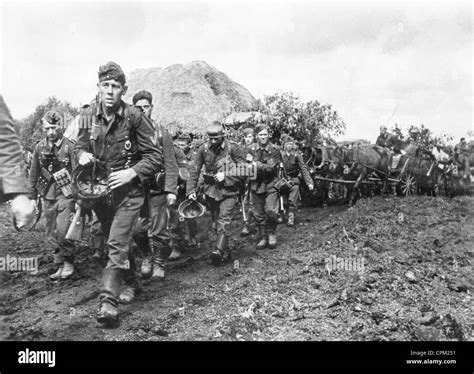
(111, 70)
(259, 128)
(287, 139)
(184, 136)
(142, 95)
(215, 130)
(248, 130)
(53, 117)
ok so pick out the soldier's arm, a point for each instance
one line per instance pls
(195, 171)
(34, 170)
(304, 170)
(151, 155)
(12, 179)
(170, 163)
(83, 135)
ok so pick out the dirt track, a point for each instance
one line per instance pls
(415, 284)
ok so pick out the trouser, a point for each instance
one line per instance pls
(182, 232)
(266, 209)
(294, 196)
(97, 235)
(117, 222)
(221, 212)
(155, 229)
(58, 217)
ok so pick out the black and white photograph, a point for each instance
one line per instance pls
(291, 171)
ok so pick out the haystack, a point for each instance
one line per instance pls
(190, 97)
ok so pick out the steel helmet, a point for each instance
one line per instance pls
(89, 182)
(191, 209)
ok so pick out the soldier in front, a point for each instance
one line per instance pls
(117, 134)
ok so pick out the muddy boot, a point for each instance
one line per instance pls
(245, 230)
(111, 282)
(68, 270)
(146, 268)
(132, 287)
(272, 240)
(57, 274)
(160, 257)
(263, 237)
(221, 253)
(291, 219)
(175, 254)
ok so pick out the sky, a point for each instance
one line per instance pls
(375, 63)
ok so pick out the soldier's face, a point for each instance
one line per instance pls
(263, 137)
(216, 141)
(249, 138)
(111, 92)
(53, 132)
(183, 144)
(145, 106)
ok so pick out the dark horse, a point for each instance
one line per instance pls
(360, 162)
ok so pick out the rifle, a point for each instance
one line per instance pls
(245, 200)
(281, 176)
(76, 227)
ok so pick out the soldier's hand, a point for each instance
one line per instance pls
(219, 177)
(121, 177)
(23, 209)
(310, 187)
(170, 199)
(86, 158)
(192, 196)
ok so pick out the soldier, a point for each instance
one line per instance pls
(249, 139)
(53, 158)
(13, 184)
(264, 195)
(116, 134)
(221, 189)
(461, 154)
(183, 231)
(295, 170)
(383, 137)
(161, 198)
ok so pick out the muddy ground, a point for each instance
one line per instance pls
(407, 276)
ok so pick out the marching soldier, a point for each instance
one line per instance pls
(50, 177)
(461, 154)
(221, 189)
(116, 134)
(249, 140)
(161, 198)
(13, 184)
(183, 231)
(295, 170)
(264, 195)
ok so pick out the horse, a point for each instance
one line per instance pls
(359, 162)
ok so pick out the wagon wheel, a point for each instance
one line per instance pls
(409, 185)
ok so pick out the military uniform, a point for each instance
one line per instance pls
(58, 207)
(183, 232)
(126, 142)
(264, 195)
(220, 197)
(12, 177)
(295, 170)
(156, 222)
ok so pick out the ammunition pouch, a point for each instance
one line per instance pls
(64, 181)
(44, 181)
(209, 178)
(157, 181)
